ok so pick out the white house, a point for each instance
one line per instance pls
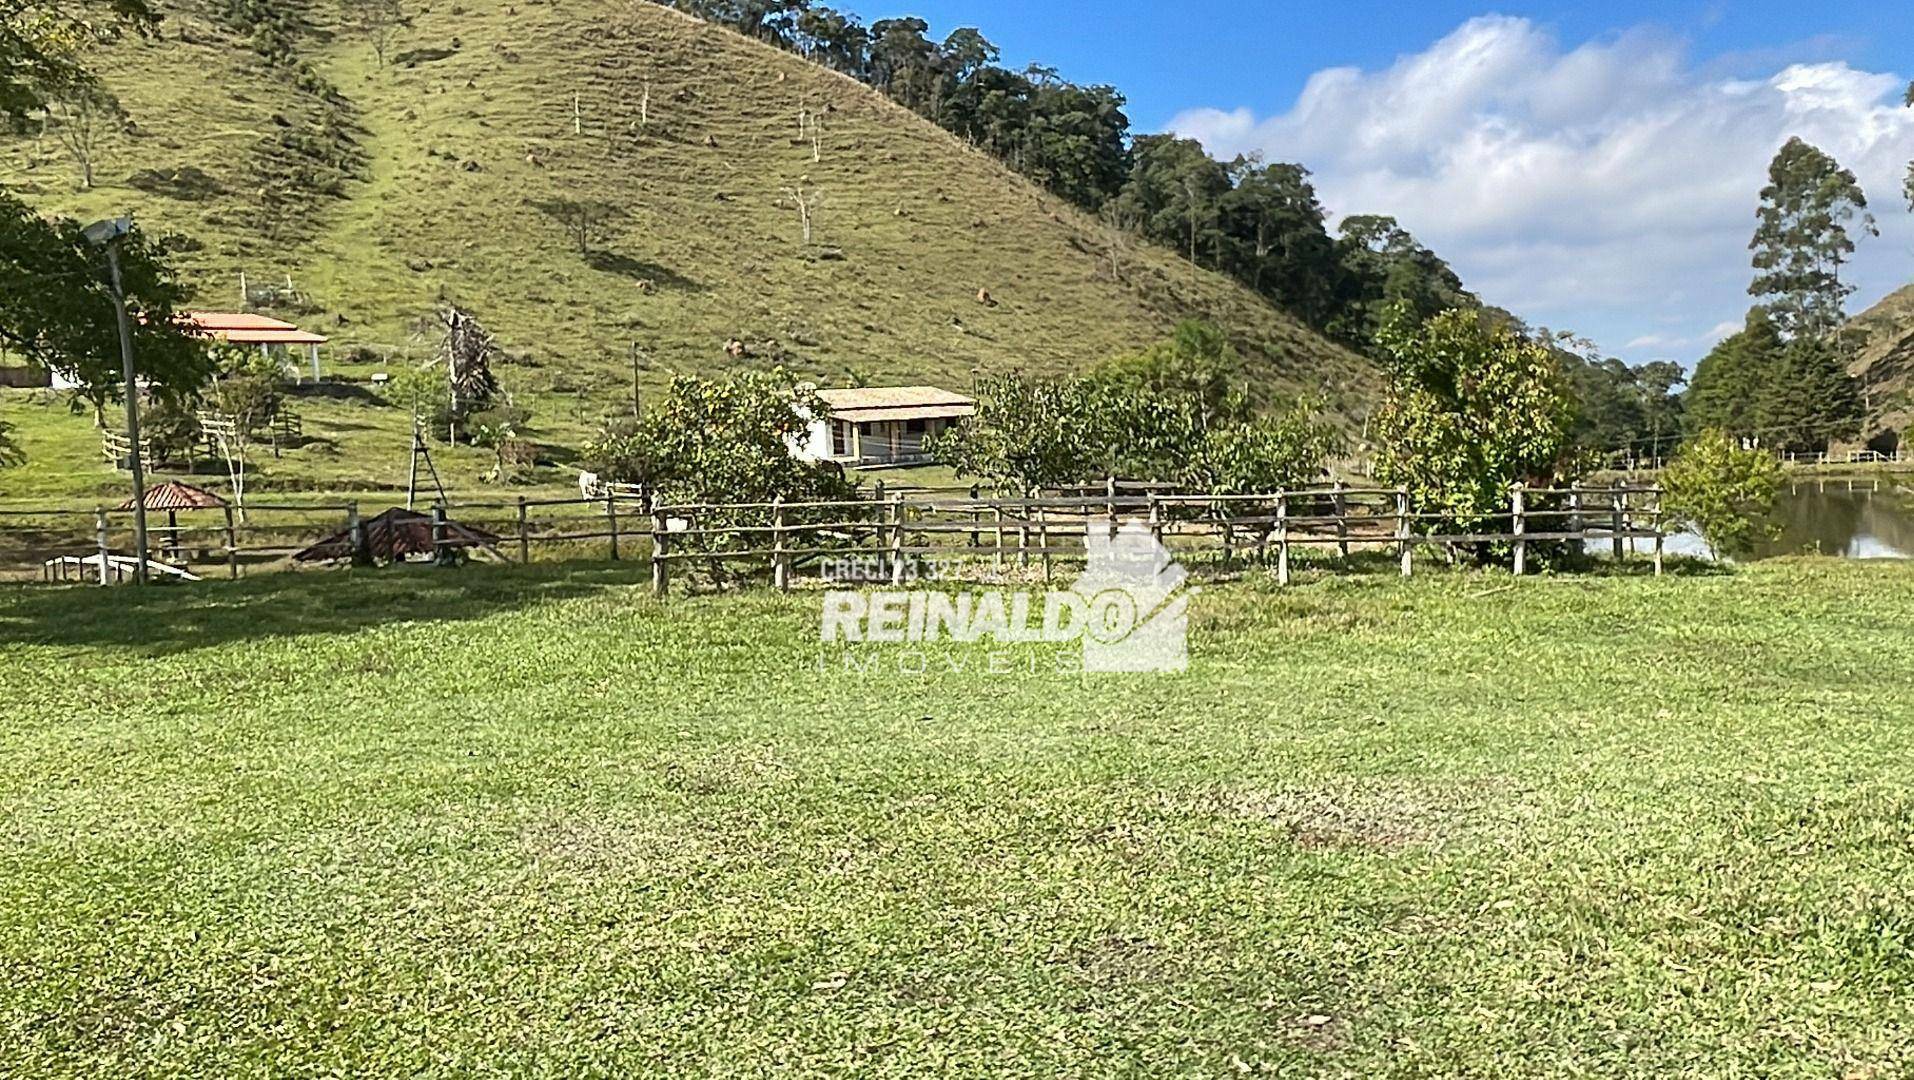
(882, 425)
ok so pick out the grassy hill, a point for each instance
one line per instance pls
(928, 261)
(1886, 363)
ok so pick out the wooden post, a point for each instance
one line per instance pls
(356, 530)
(232, 545)
(1402, 530)
(611, 517)
(1517, 512)
(1660, 539)
(1282, 539)
(1156, 518)
(106, 542)
(897, 541)
(1229, 532)
(976, 516)
(1341, 507)
(440, 553)
(1110, 503)
(1575, 522)
(1620, 524)
(524, 534)
(780, 562)
(997, 555)
(660, 540)
(1043, 539)
(1023, 531)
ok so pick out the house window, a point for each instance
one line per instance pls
(840, 438)
(914, 427)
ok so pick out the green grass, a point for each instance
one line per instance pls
(710, 249)
(534, 821)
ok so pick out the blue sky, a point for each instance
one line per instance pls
(1593, 166)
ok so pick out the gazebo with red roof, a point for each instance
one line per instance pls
(172, 497)
(273, 337)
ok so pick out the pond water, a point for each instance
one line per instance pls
(1850, 519)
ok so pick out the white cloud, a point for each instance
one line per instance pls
(1609, 188)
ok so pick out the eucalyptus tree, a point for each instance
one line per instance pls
(1802, 240)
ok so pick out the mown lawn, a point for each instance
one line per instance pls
(533, 821)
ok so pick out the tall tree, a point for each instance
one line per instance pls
(1801, 240)
(79, 115)
(1770, 391)
(1384, 267)
(1174, 191)
(1730, 384)
(1278, 244)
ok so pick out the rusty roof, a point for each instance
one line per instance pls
(395, 535)
(174, 495)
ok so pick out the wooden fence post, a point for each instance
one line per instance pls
(1282, 538)
(1517, 512)
(660, 542)
(780, 564)
(976, 516)
(356, 531)
(997, 554)
(1660, 537)
(1619, 500)
(611, 517)
(1229, 531)
(1156, 518)
(897, 541)
(440, 553)
(1402, 530)
(1043, 539)
(1110, 503)
(232, 545)
(524, 534)
(1023, 529)
(1342, 519)
(106, 542)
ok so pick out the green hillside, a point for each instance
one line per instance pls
(1886, 363)
(929, 260)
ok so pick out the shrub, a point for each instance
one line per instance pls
(1725, 493)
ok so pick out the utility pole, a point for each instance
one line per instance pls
(108, 234)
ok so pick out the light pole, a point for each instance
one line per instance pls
(108, 234)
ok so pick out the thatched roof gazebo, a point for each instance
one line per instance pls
(397, 535)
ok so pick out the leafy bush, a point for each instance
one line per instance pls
(1473, 407)
(1725, 493)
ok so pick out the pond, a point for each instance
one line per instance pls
(1849, 519)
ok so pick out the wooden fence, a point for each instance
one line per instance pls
(898, 534)
(891, 538)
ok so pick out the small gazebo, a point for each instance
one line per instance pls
(172, 497)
